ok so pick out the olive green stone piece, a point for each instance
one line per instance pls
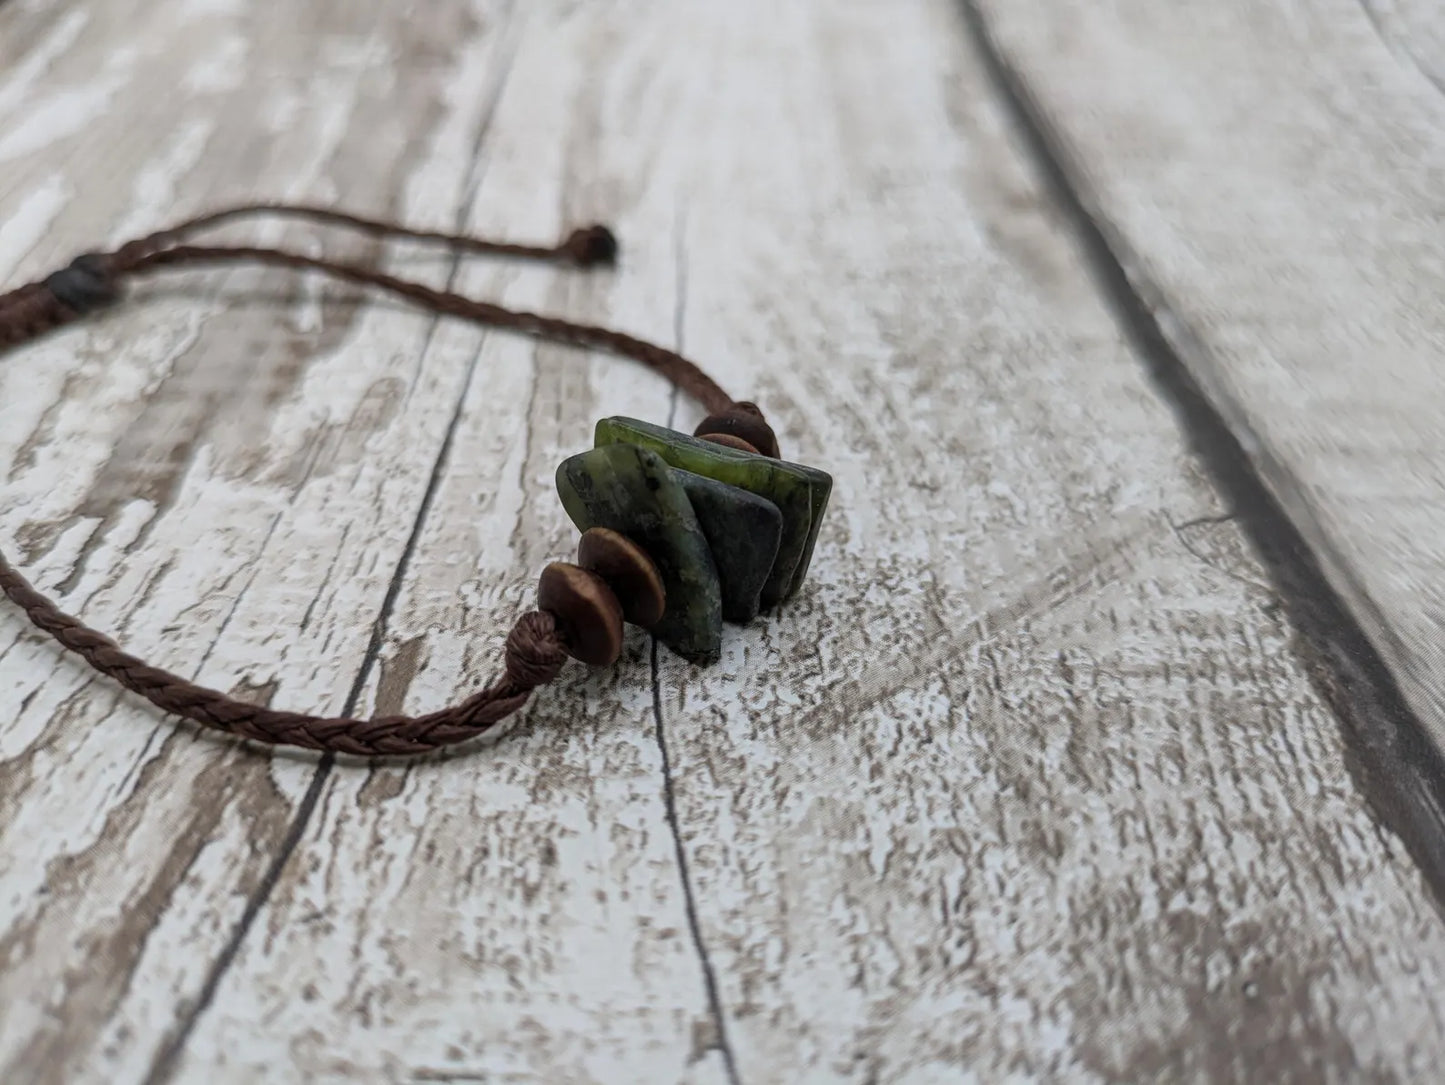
(800, 493)
(743, 531)
(633, 491)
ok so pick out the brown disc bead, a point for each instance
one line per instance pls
(727, 440)
(629, 572)
(587, 612)
(744, 421)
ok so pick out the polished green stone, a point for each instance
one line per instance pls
(743, 530)
(632, 490)
(800, 493)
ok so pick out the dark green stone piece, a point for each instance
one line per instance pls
(743, 531)
(800, 493)
(632, 490)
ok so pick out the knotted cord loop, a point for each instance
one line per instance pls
(535, 652)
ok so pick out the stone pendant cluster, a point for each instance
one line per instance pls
(682, 533)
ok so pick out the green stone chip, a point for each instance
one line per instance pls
(632, 490)
(743, 530)
(800, 493)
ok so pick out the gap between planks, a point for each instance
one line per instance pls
(669, 790)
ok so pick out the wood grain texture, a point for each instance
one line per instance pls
(1028, 782)
(1269, 175)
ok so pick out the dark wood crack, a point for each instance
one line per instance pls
(669, 795)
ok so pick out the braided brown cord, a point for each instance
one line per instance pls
(534, 655)
(535, 648)
(677, 369)
(29, 312)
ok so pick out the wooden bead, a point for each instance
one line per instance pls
(629, 571)
(744, 421)
(727, 440)
(587, 612)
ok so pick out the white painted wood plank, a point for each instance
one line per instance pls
(1028, 783)
(197, 475)
(1270, 174)
(1041, 811)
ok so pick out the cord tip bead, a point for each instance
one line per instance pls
(593, 246)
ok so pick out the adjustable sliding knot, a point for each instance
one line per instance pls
(535, 653)
(86, 285)
(592, 246)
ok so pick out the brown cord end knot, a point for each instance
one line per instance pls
(592, 246)
(535, 652)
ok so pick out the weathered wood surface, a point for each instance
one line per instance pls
(1028, 783)
(1269, 174)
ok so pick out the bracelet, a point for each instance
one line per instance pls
(679, 533)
